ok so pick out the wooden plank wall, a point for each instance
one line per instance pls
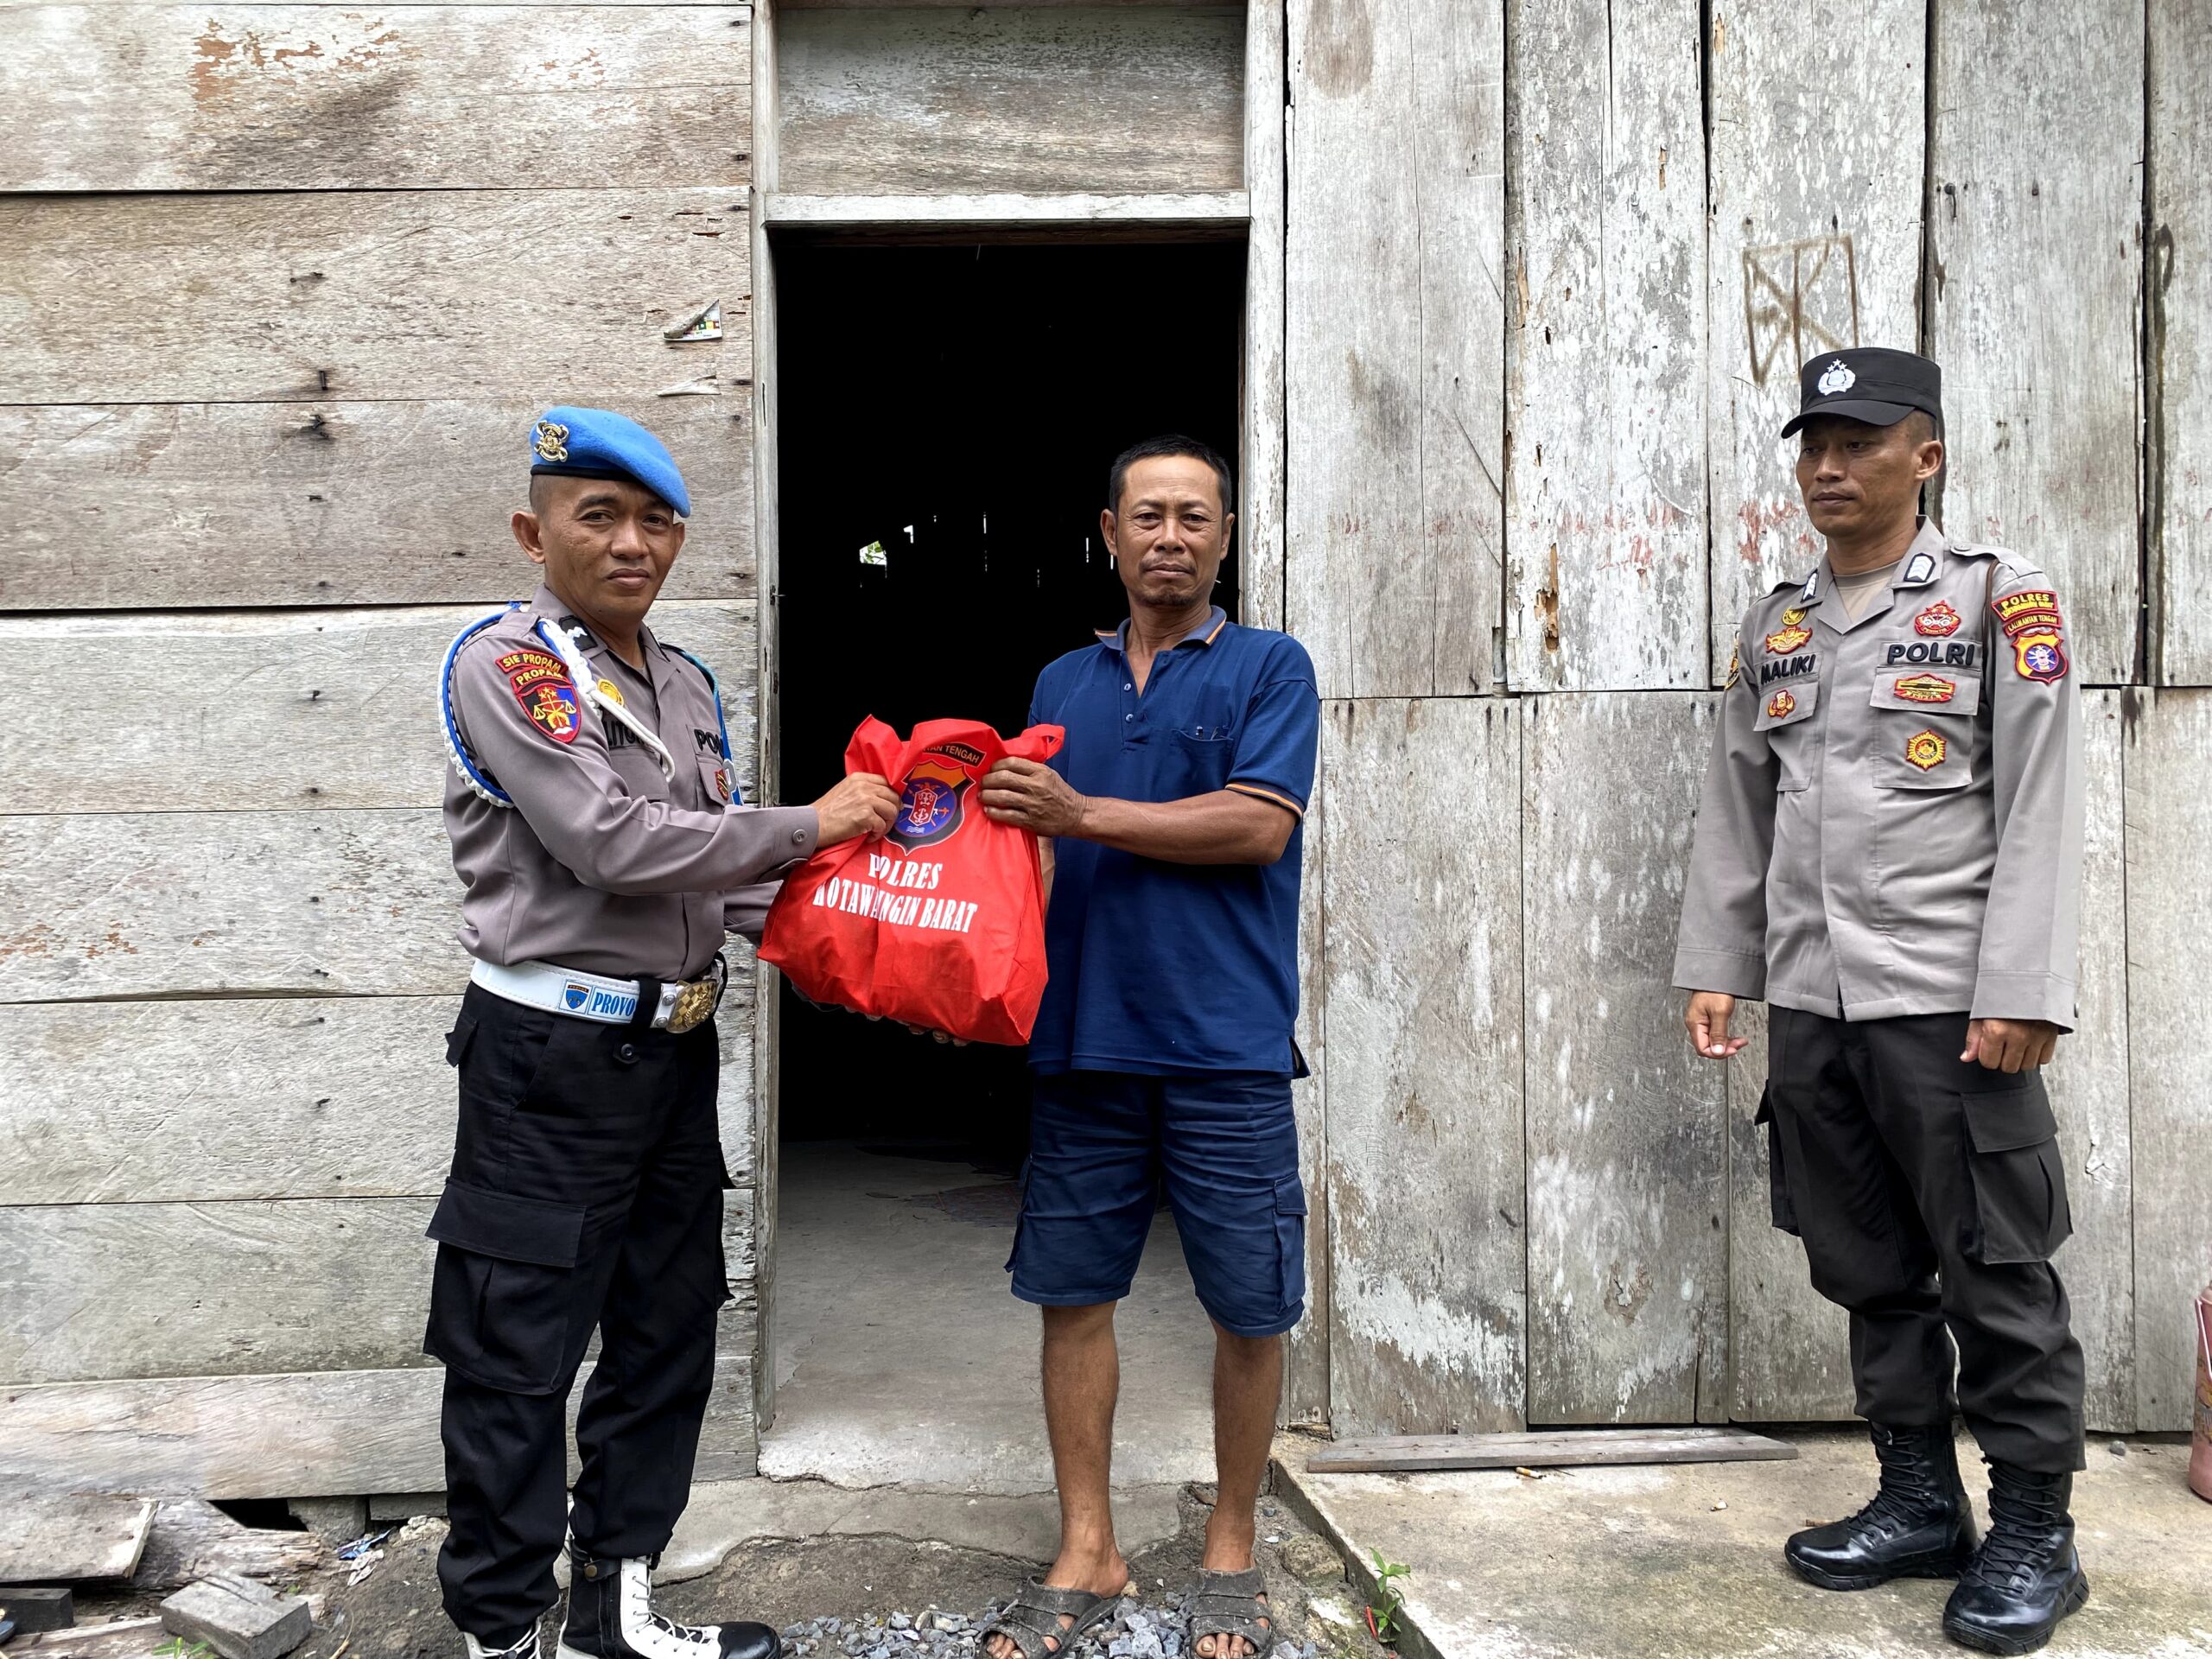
(286, 283)
(1682, 210)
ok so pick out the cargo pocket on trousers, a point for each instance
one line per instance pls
(458, 1039)
(1778, 1182)
(1290, 1239)
(2019, 1181)
(502, 1297)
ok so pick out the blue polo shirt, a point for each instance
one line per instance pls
(1164, 968)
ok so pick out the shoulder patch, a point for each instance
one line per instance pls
(2032, 621)
(542, 686)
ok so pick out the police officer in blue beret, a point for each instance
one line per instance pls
(604, 854)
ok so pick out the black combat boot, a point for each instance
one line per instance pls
(1919, 1525)
(2025, 1577)
(611, 1617)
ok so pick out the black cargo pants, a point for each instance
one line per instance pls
(1930, 1193)
(586, 1194)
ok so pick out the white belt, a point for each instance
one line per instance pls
(683, 1004)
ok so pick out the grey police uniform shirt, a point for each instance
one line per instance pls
(603, 863)
(1891, 820)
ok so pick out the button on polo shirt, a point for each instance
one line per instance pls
(1160, 968)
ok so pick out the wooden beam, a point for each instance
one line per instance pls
(1018, 99)
(1626, 1133)
(121, 506)
(497, 295)
(283, 710)
(1819, 128)
(1262, 480)
(1225, 210)
(1605, 350)
(2177, 382)
(1546, 1449)
(258, 97)
(318, 1435)
(1427, 1183)
(2042, 399)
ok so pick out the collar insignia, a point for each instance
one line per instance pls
(1919, 569)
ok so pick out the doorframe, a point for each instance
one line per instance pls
(1257, 210)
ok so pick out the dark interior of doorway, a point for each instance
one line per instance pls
(946, 418)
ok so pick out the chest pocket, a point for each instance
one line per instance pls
(1921, 729)
(1785, 715)
(640, 772)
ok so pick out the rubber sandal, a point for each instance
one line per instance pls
(1031, 1620)
(1229, 1604)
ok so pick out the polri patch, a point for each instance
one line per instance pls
(1926, 750)
(1781, 706)
(1938, 621)
(1925, 688)
(1787, 637)
(2040, 653)
(551, 706)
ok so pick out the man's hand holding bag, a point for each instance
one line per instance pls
(938, 922)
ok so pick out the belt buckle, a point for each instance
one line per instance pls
(696, 1000)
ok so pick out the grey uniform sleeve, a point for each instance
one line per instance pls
(1721, 946)
(745, 910)
(2031, 926)
(582, 811)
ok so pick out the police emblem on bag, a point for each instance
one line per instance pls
(1938, 621)
(933, 800)
(1926, 750)
(1837, 377)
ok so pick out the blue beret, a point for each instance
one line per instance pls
(571, 442)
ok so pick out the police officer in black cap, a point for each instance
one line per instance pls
(1888, 852)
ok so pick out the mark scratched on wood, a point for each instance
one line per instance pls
(1802, 293)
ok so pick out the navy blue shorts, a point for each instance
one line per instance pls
(1223, 1144)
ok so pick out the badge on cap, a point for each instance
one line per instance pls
(1837, 377)
(551, 441)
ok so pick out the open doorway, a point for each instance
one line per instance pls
(946, 415)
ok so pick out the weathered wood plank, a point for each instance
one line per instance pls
(60, 1537)
(351, 1098)
(1393, 399)
(359, 903)
(281, 709)
(1262, 480)
(1789, 1346)
(1606, 353)
(1575, 1449)
(1018, 100)
(2041, 397)
(307, 297)
(2088, 1085)
(1305, 1360)
(323, 503)
(1422, 965)
(2167, 746)
(92, 1292)
(1815, 176)
(250, 97)
(1219, 211)
(2178, 380)
(1627, 1147)
(192, 1539)
(101, 1291)
(298, 1435)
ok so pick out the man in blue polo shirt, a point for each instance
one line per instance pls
(1162, 1053)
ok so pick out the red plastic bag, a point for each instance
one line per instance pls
(941, 922)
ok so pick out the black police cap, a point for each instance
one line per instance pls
(1872, 383)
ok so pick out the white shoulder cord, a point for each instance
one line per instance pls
(479, 782)
(565, 646)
